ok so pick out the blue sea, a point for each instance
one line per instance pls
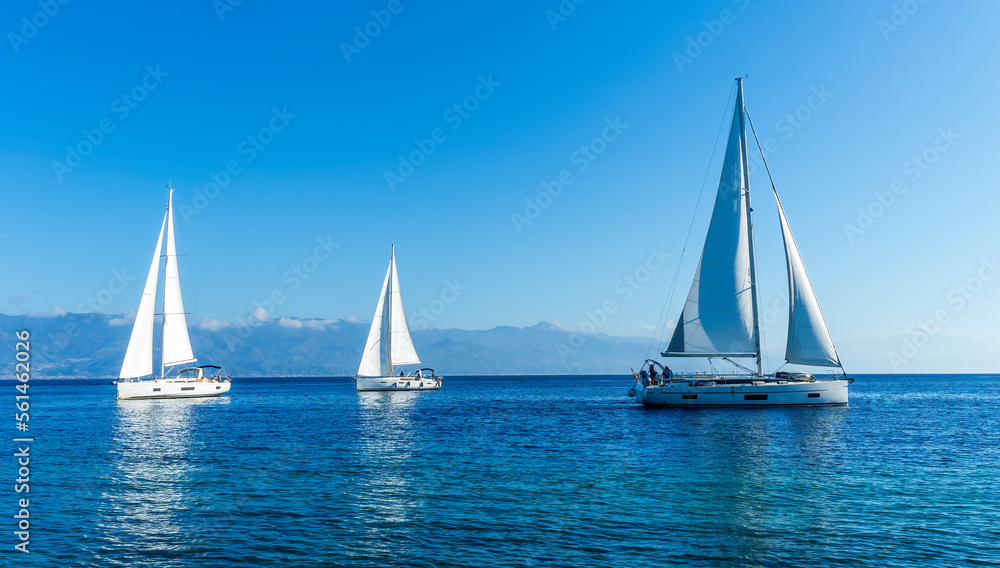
(508, 471)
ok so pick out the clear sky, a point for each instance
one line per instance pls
(309, 112)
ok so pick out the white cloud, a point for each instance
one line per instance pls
(353, 318)
(260, 314)
(560, 325)
(209, 324)
(319, 325)
(55, 312)
(122, 320)
(18, 299)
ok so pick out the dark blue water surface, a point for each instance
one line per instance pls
(508, 471)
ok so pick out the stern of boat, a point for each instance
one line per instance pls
(637, 392)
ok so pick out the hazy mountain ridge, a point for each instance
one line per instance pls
(93, 345)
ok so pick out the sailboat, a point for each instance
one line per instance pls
(389, 344)
(136, 379)
(720, 317)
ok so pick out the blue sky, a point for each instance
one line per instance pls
(848, 92)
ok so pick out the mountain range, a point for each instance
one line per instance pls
(92, 345)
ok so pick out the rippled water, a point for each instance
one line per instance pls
(512, 471)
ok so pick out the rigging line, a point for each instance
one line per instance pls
(194, 294)
(677, 271)
(763, 159)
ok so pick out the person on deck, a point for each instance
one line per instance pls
(667, 373)
(652, 373)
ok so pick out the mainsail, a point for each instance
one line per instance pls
(375, 358)
(139, 354)
(718, 316)
(389, 342)
(809, 341)
(176, 343)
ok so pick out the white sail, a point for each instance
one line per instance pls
(375, 358)
(809, 341)
(176, 343)
(403, 352)
(718, 315)
(139, 354)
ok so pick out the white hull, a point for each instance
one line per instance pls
(396, 383)
(715, 392)
(171, 388)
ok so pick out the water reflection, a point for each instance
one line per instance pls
(385, 449)
(143, 508)
(742, 470)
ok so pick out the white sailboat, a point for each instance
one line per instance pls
(389, 344)
(720, 316)
(136, 379)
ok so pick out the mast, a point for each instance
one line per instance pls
(163, 323)
(388, 307)
(749, 210)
